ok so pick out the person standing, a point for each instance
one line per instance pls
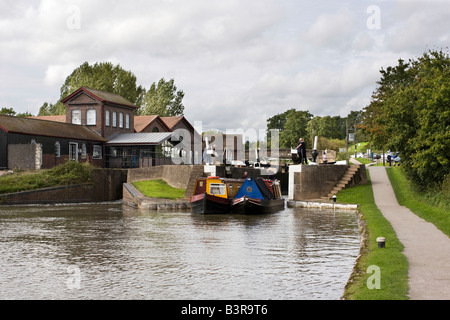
(301, 150)
(304, 159)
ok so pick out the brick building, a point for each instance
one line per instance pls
(98, 127)
(35, 144)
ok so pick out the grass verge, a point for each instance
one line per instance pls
(417, 202)
(390, 260)
(69, 173)
(159, 189)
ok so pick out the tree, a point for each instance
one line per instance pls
(295, 128)
(48, 109)
(11, 112)
(278, 121)
(410, 113)
(163, 99)
(7, 112)
(101, 76)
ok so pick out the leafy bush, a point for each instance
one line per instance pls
(69, 173)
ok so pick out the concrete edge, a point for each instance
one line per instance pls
(321, 205)
(134, 198)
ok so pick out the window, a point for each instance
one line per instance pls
(97, 152)
(217, 189)
(107, 120)
(114, 121)
(76, 116)
(155, 129)
(73, 151)
(127, 121)
(121, 120)
(83, 151)
(57, 149)
(91, 117)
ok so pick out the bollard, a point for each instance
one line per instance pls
(381, 242)
(334, 198)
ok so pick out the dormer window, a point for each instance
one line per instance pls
(91, 117)
(76, 116)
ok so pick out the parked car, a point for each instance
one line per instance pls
(396, 158)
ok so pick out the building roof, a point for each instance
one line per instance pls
(47, 128)
(140, 138)
(172, 121)
(142, 122)
(103, 96)
(61, 118)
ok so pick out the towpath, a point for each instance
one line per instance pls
(427, 249)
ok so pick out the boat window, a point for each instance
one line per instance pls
(217, 189)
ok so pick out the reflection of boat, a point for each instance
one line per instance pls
(214, 195)
(258, 196)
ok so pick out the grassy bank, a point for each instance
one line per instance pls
(159, 189)
(422, 204)
(392, 263)
(69, 173)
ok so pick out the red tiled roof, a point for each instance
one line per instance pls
(142, 122)
(61, 118)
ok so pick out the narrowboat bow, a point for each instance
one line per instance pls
(258, 196)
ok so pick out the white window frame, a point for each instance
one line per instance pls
(120, 120)
(107, 118)
(72, 156)
(57, 149)
(127, 121)
(76, 119)
(97, 152)
(114, 119)
(91, 117)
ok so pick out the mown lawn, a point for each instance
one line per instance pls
(390, 260)
(159, 189)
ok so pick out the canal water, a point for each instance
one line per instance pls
(110, 251)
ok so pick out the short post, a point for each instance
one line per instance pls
(381, 242)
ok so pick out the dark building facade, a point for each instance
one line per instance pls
(100, 128)
(54, 142)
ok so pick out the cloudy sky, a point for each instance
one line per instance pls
(238, 62)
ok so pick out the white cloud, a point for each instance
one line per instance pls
(238, 62)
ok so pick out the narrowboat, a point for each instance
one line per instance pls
(214, 195)
(258, 196)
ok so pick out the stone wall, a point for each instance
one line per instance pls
(107, 186)
(176, 176)
(312, 182)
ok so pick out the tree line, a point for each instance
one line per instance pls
(410, 112)
(294, 124)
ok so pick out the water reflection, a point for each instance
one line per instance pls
(124, 253)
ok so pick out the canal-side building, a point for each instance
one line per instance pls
(102, 121)
(35, 144)
(101, 128)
